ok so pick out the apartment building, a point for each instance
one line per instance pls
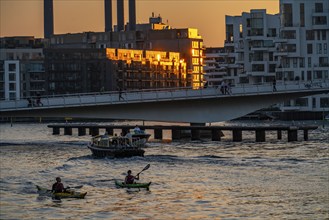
(303, 49)
(21, 68)
(155, 36)
(291, 47)
(76, 70)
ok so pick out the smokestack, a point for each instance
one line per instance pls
(120, 14)
(132, 15)
(48, 18)
(108, 15)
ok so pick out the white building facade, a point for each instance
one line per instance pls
(291, 47)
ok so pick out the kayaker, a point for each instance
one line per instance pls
(58, 187)
(130, 179)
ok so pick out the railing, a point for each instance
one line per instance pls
(167, 94)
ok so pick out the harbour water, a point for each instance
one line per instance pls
(190, 180)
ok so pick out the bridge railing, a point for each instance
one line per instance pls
(157, 95)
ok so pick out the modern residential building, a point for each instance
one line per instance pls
(86, 70)
(303, 49)
(291, 47)
(154, 35)
(21, 67)
(215, 66)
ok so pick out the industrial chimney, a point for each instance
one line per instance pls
(120, 15)
(108, 15)
(48, 18)
(132, 15)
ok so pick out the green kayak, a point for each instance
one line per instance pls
(63, 195)
(134, 185)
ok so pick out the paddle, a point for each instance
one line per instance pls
(145, 168)
(74, 187)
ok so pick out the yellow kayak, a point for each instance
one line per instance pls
(62, 195)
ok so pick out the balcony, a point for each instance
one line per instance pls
(280, 40)
(280, 52)
(256, 73)
(320, 22)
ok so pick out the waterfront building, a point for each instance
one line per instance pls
(154, 35)
(215, 66)
(21, 67)
(75, 70)
(302, 50)
(291, 47)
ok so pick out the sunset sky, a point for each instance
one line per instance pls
(25, 17)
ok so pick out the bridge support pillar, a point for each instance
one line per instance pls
(305, 135)
(158, 134)
(93, 131)
(175, 134)
(81, 131)
(260, 135)
(237, 135)
(56, 130)
(195, 134)
(109, 131)
(292, 135)
(67, 131)
(279, 134)
(216, 135)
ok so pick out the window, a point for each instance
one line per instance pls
(309, 49)
(289, 34)
(302, 15)
(324, 102)
(317, 75)
(324, 35)
(309, 62)
(325, 74)
(287, 15)
(325, 51)
(309, 35)
(291, 47)
(12, 86)
(301, 102)
(12, 67)
(12, 95)
(295, 62)
(319, 20)
(319, 48)
(318, 7)
(314, 102)
(12, 76)
(195, 44)
(323, 62)
(301, 62)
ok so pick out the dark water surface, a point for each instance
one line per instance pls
(190, 180)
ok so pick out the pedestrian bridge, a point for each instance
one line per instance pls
(171, 105)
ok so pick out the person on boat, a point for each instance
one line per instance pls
(58, 187)
(130, 179)
(129, 136)
(137, 130)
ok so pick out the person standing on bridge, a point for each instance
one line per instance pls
(120, 94)
(38, 102)
(274, 85)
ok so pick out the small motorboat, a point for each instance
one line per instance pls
(115, 146)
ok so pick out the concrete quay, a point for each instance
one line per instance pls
(177, 132)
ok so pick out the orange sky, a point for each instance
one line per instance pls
(25, 17)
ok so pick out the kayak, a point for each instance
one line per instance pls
(134, 185)
(62, 195)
